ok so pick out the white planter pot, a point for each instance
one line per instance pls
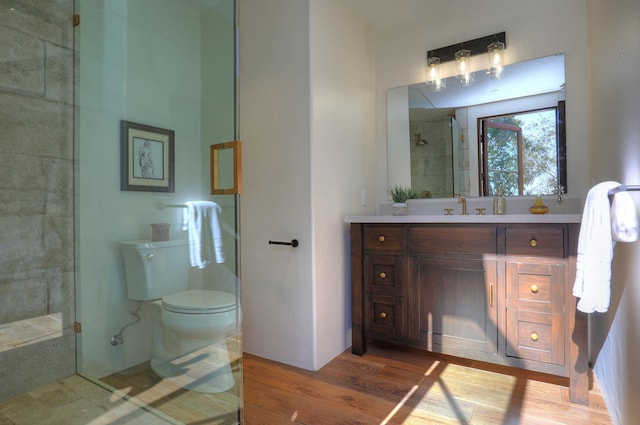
(400, 208)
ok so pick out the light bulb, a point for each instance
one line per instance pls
(496, 59)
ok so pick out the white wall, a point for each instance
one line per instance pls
(534, 29)
(305, 121)
(341, 161)
(277, 290)
(615, 155)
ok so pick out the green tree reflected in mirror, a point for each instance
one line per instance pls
(520, 153)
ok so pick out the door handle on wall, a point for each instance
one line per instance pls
(294, 243)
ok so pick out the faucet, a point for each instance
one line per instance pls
(558, 190)
(463, 201)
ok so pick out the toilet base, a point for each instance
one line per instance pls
(192, 363)
(207, 370)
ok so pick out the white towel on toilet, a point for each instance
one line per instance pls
(595, 251)
(200, 220)
(624, 218)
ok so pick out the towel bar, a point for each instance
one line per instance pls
(162, 206)
(172, 206)
(624, 188)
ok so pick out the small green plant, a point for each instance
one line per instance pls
(400, 194)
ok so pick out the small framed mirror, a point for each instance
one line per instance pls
(226, 172)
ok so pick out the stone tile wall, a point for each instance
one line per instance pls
(36, 189)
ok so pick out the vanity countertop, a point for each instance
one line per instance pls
(478, 219)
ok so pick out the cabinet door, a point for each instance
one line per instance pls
(535, 309)
(453, 304)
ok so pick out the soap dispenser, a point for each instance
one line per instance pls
(499, 203)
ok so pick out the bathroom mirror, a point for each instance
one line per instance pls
(226, 172)
(432, 137)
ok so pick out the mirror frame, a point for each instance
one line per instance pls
(214, 151)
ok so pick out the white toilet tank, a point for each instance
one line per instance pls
(155, 269)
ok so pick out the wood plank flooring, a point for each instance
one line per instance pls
(390, 385)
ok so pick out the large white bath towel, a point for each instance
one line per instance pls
(200, 220)
(595, 251)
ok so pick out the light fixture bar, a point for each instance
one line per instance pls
(477, 46)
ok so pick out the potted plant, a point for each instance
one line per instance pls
(399, 195)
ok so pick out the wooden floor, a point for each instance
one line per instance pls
(403, 386)
(388, 385)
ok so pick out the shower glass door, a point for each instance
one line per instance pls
(155, 87)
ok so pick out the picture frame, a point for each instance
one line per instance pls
(146, 158)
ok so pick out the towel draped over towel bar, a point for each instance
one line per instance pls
(624, 188)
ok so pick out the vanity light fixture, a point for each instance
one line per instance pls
(496, 59)
(494, 45)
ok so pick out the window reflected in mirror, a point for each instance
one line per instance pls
(522, 153)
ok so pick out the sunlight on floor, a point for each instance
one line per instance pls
(399, 405)
(29, 331)
(442, 392)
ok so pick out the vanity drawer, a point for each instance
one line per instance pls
(383, 274)
(384, 238)
(535, 336)
(459, 240)
(384, 315)
(536, 241)
(536, 285)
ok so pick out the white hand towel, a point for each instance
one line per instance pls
(200, 220)
(595, 251)
(624, 218)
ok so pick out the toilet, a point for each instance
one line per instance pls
(190, 328)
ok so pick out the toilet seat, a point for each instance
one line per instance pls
(199, 301)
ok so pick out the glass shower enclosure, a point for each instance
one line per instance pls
(155, 88)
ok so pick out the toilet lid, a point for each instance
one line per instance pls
(199, 301)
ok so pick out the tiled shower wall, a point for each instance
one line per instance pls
(37, 342)
(431, 163)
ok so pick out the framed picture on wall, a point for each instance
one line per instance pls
(146, 158)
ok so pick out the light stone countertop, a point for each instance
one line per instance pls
(432, 211)
(478, 219)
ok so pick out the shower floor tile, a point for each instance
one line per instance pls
(74, 401)
(133, 396)
(189, 407)
(169, 397)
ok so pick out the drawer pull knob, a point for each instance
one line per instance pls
(383, 315)
(383, 275)
(534, 336)
(533, 243)
(534, 289)
(381, 238)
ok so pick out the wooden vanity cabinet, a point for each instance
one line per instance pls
(499, 293)
(453, 287)
(384, 282)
